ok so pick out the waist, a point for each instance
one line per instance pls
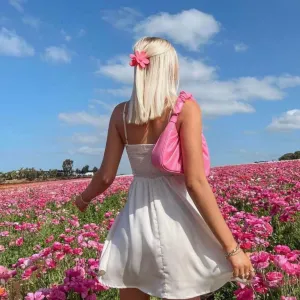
(157, 175)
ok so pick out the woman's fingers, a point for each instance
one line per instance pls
(235, 272)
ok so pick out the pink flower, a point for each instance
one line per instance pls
(139, 59)
(50, 263)
(91, 297)
(288, 298)
(56, 294)
(59, 255)
(259, 285)
(2, 248)
(260, 260)
(35, 296)
(280, 260)
(50, 239)
(274, 279)
(280, 249)
(77, 251)
(4, 233)
(244, 294)
(19, 241)
(57, 246)
(55, 222)
(108, 214)
(5, 274)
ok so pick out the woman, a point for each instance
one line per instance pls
(170, 240)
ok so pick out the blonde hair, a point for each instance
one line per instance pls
(155, 87)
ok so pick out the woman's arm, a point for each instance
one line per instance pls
(196, 182)
(105, 176)
(200, 191)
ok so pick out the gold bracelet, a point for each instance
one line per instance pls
(235, 251)
(80, 198)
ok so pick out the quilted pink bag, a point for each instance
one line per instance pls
(166, 154)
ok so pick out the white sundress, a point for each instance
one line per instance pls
(159, 242)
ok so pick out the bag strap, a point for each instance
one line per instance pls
(183, 96)
(124, 122)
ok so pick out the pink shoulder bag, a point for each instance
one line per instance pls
(166, 154)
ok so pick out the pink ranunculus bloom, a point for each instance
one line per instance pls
(59, 255)
(91, 297)
(258, 284)
(280, 260)
(108, 214)
(50, 263)
(244, 294)
(19, 241)
(57, 246)
(292, 256)
(55, 222)
(260, 260)
(2, 248)
(35, 296)
(5, 274)
(77, 251)
(274, 279)
(56, 294)
(281, 249)
(50, 239)
(287, 298)
(291, 269)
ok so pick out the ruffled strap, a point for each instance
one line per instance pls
(183, 96)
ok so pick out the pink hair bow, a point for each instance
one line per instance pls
(139, 59)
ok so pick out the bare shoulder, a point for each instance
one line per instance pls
(117, 114)
(190, 110)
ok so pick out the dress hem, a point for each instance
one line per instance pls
(157, 295)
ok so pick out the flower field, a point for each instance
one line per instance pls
(49, 250)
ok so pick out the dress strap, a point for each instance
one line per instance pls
(124, 122)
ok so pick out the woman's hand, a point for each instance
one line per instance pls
(77, 201)
(242, 266)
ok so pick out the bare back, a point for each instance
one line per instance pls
(141, 134)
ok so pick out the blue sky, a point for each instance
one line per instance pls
(64, 65)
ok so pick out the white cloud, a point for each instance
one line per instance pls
(87, 139)
(285, 81)
(57, 55)
(13, 45)
(217, 97)
(66, 36)
(31, 21)
(17, 4)
(84, 118)
(117, 69)
(81, 32)
(125, 18)
(90, 150)
(104, 104)
(190, 28)
(121, 92)
(219, 108)
(240, 47)
(287, 121)
(192, 69)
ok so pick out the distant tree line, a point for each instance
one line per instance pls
(290, 156)
(32, 174)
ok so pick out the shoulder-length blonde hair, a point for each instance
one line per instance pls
(155, 87)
